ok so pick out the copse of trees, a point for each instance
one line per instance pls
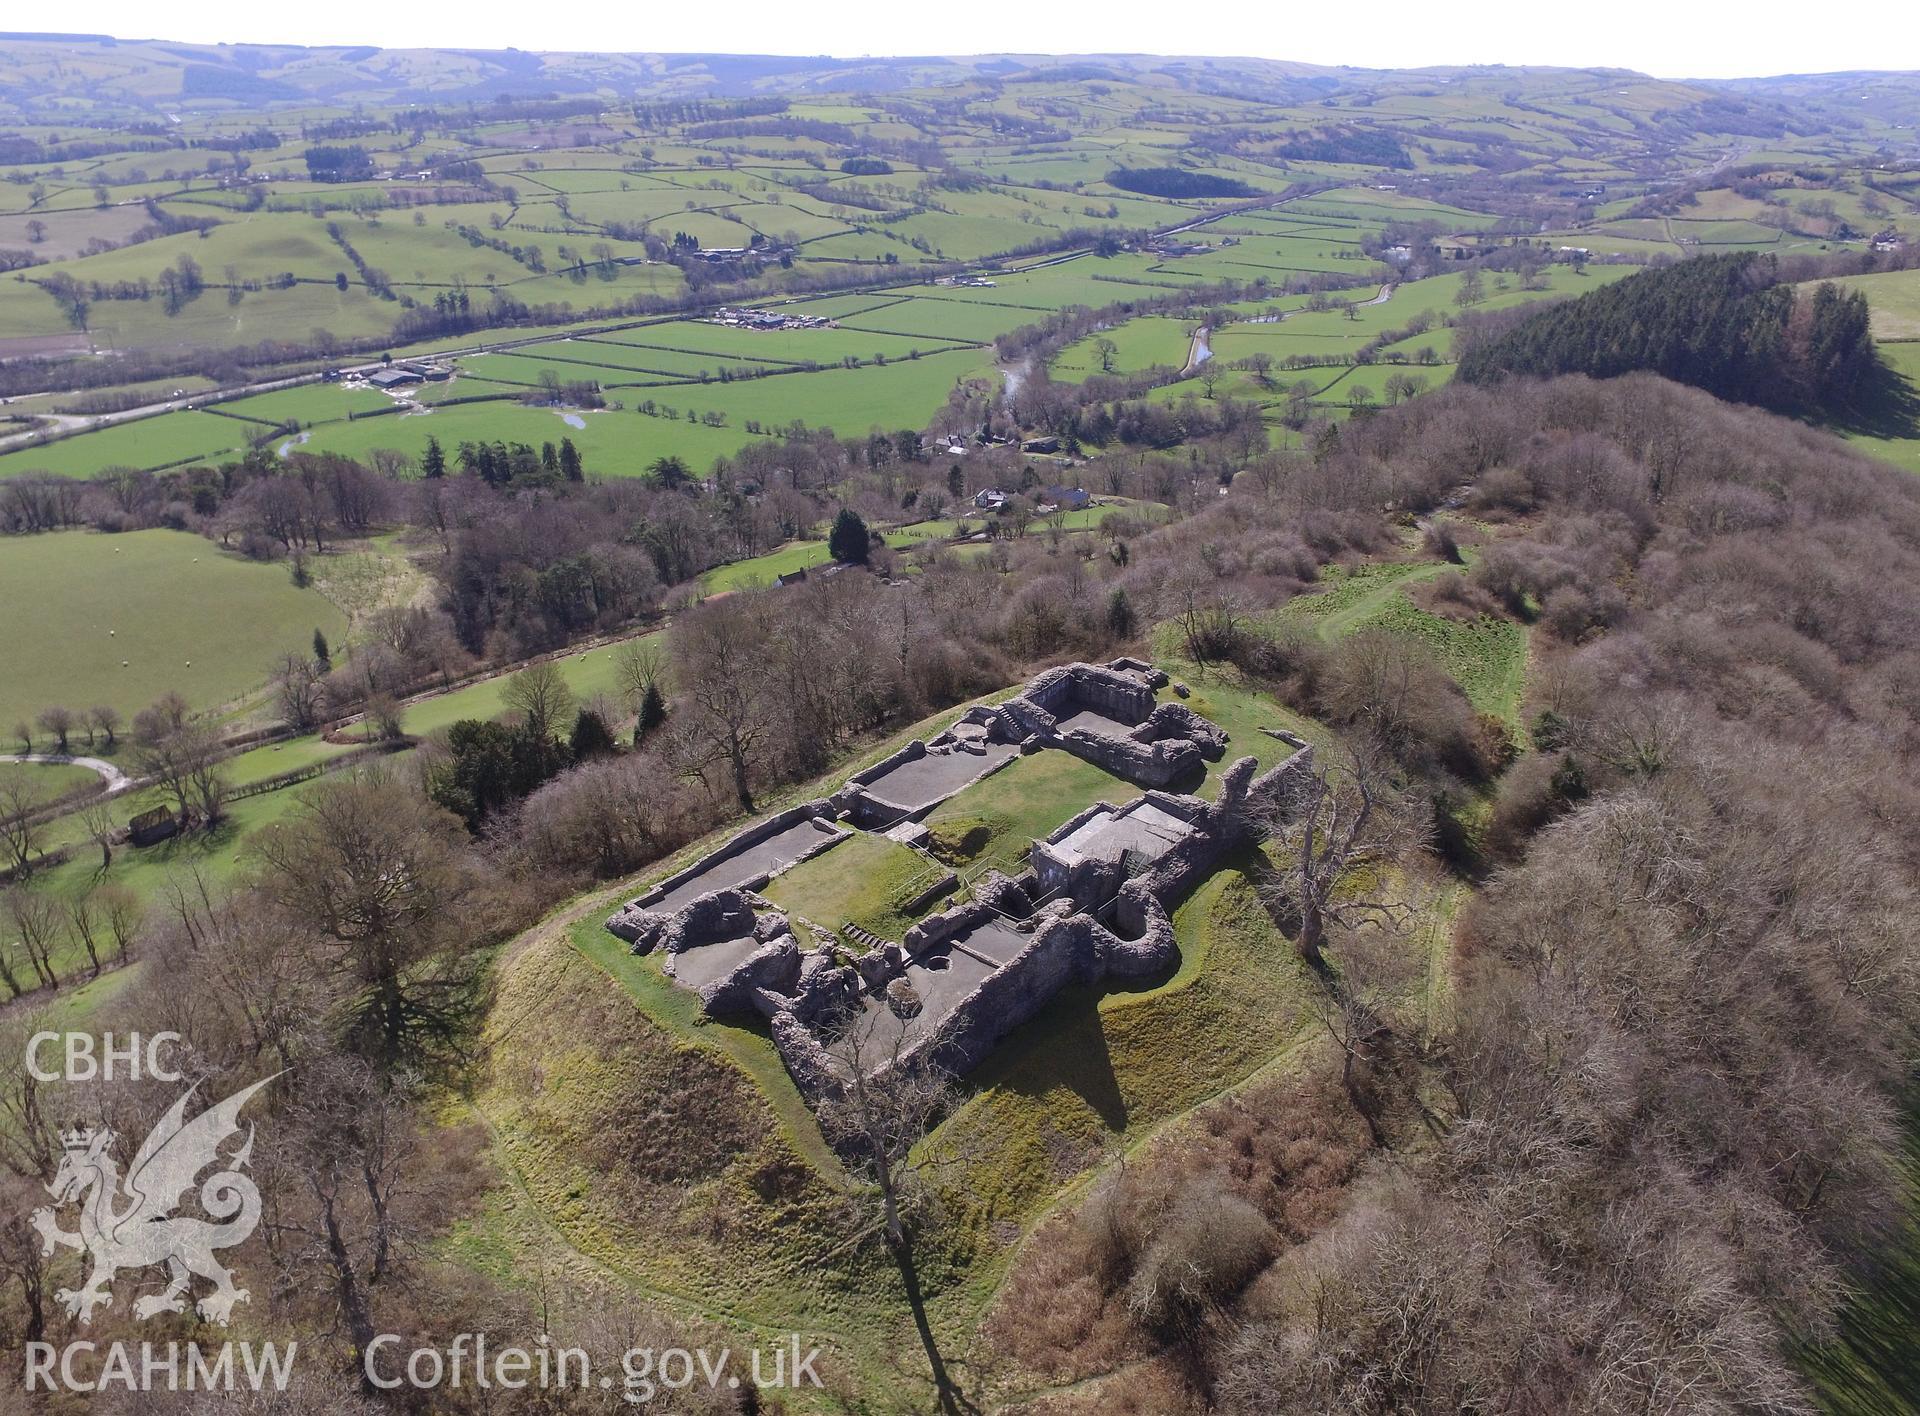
(1726, 324)
(338, 163)
(1179, 183)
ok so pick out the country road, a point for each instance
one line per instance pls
(117, 781)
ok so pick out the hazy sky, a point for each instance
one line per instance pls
(1669, 38)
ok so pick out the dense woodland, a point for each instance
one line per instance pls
(1723, 323)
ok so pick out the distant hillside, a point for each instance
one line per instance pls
(1722, 323)
(65, 75)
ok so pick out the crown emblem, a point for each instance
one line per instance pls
(79, 1139)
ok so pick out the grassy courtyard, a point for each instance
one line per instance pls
(868, 880)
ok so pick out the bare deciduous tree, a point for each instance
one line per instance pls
(342, 1161)
(719, 660)
(638, 665)
(36, 919)
(60, 722)
(1348, 816)
(887, 1103)
(379, 877)
(300, 687)
(21, 832)
(182, 755)
(106, 718)
(539, 693)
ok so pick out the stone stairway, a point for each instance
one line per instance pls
(864, 937)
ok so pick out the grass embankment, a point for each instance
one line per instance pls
(1486, 656)
(760, 571)
(672, 1158)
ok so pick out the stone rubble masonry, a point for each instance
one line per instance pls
(640, 924)
(773, 968)
(1164, 744)
(938, 928)
(1177, 721)
(1069, 943)
(912, 752)
(800, 991)
(870, 809)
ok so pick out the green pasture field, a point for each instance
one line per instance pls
(1142, 344)
(1090, 280)
(1251, 257)
(146, 870)
(432, 255)
(574, 361)
(839, 307)
(158, 600)
(614, 444)
(160, 441)
(759, 571)
(618, 354)
(587, 672)
(1332, 334)
(592, 289)
(1894, 299)
(941, 316)
(1895, 440)
(870, 246)
(310, 403)
(1723, 233)
(44, 781)
(210, 320)
(959, 237)
(464, 384)
(781, 346)
(905, 393)
(28, 310)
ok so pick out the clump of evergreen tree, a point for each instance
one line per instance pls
(653, 712)
(849, 541)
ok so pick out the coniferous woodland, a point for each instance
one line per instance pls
(1727, 324)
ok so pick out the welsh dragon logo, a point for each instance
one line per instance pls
(130, 1224)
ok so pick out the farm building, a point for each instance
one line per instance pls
(151, 827)
(396, 377)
